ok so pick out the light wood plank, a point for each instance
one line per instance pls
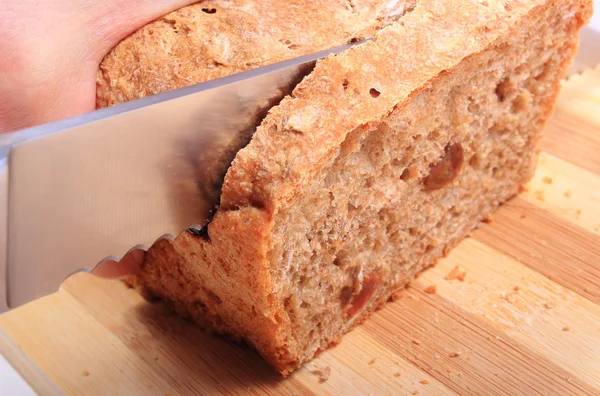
(566, 191)
(66, 343)
(572, 133)
(361, 365)
(548, 244)
(580, 96)
(554, 322)
(465, 353)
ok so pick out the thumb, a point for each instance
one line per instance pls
(51, 53)
(113, 20)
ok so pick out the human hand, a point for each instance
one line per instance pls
(50, 52)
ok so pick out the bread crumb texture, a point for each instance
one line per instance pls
(413, 139)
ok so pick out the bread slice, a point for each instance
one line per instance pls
(382, 160)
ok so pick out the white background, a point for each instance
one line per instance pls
(11, 383)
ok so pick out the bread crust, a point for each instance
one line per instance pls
(228, 282)
(213, 39)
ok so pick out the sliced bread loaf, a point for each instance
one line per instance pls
(382, 159)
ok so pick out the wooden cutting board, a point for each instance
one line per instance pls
(525, 320)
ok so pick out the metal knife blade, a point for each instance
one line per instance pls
(75, 192)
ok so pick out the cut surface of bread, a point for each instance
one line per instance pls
(383, 158)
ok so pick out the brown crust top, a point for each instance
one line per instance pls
(212, 39)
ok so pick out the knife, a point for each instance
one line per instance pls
(87, 190)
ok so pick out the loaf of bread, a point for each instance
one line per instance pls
(383, 158)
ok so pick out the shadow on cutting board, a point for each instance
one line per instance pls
(193, 360)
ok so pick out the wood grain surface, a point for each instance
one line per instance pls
(525, 319)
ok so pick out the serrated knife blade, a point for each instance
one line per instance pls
(91, 188)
